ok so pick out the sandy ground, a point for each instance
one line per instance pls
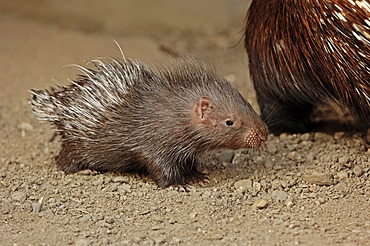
(310, 189)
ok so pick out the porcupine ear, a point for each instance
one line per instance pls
(203, 107)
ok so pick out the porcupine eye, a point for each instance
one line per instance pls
(229, 123)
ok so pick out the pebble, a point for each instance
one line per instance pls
(124, 188)
(342, 175)
(319, 179)
(323, 137)
(310, 157)
(271, 149)
(294, 155)
(192, 215)
(98, 181)
(358, 171)
(36, 207)
(85, 218)
(257, 186)
(289, 203)
(157, 218)
(19, 196)
(82, 242)
(226, 156)
(279, 195)
(121, 179)
(305, 137)
(261, 203)
(284, 183)
(243, 184)
(156, 227)
(339, 135)
(276, 184)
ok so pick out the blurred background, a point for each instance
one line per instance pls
(40, 37)
(126, 17)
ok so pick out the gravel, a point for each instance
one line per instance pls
(299, 189)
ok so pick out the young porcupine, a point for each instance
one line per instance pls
(123, 117)
(303, 53)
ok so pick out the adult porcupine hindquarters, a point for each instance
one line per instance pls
(303, 53)
(124, 117)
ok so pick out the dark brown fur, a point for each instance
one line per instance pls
(123, 117)
(304, 53)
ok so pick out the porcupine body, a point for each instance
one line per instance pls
(303, 53)
(124, 117)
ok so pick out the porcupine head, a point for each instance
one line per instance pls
(124, 117)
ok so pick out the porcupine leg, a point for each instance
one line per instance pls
(194, 176)
(65, 161)
(177, 176)
(70, 163)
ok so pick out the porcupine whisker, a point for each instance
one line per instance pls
(270, 118)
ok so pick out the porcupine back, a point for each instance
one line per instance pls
(302, 53)
(124, 117)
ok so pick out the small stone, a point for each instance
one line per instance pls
(85, 218)
(319, 179)
(261, 203)
(289, 203)
(293, 155)
(339, 135)
(156, 227)
(109, 220)
(305, 137)
(257, 186)
(226, 156)
(51, 200)
(82, 242)
(192, 215)
(276, 184)
(121, 179)
(283, 136)
(358, 171)
(323, 137)
(279, 195)
(160, 240)
(342, 175)
(98, 181)
(310, 157)
(271, 149)
(284, 183)
(124, 188)
(19, 196)
(243, 184)
(36, 207)
(157, 218)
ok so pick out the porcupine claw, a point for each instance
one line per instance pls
(181, 188)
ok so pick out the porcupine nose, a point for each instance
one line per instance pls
(263, 135)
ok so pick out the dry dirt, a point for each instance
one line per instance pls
(310, 189)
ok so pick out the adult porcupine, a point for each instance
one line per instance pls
(124, 117)
(305, 52)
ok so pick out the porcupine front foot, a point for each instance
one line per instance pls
(181, 181)
(195, 177)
